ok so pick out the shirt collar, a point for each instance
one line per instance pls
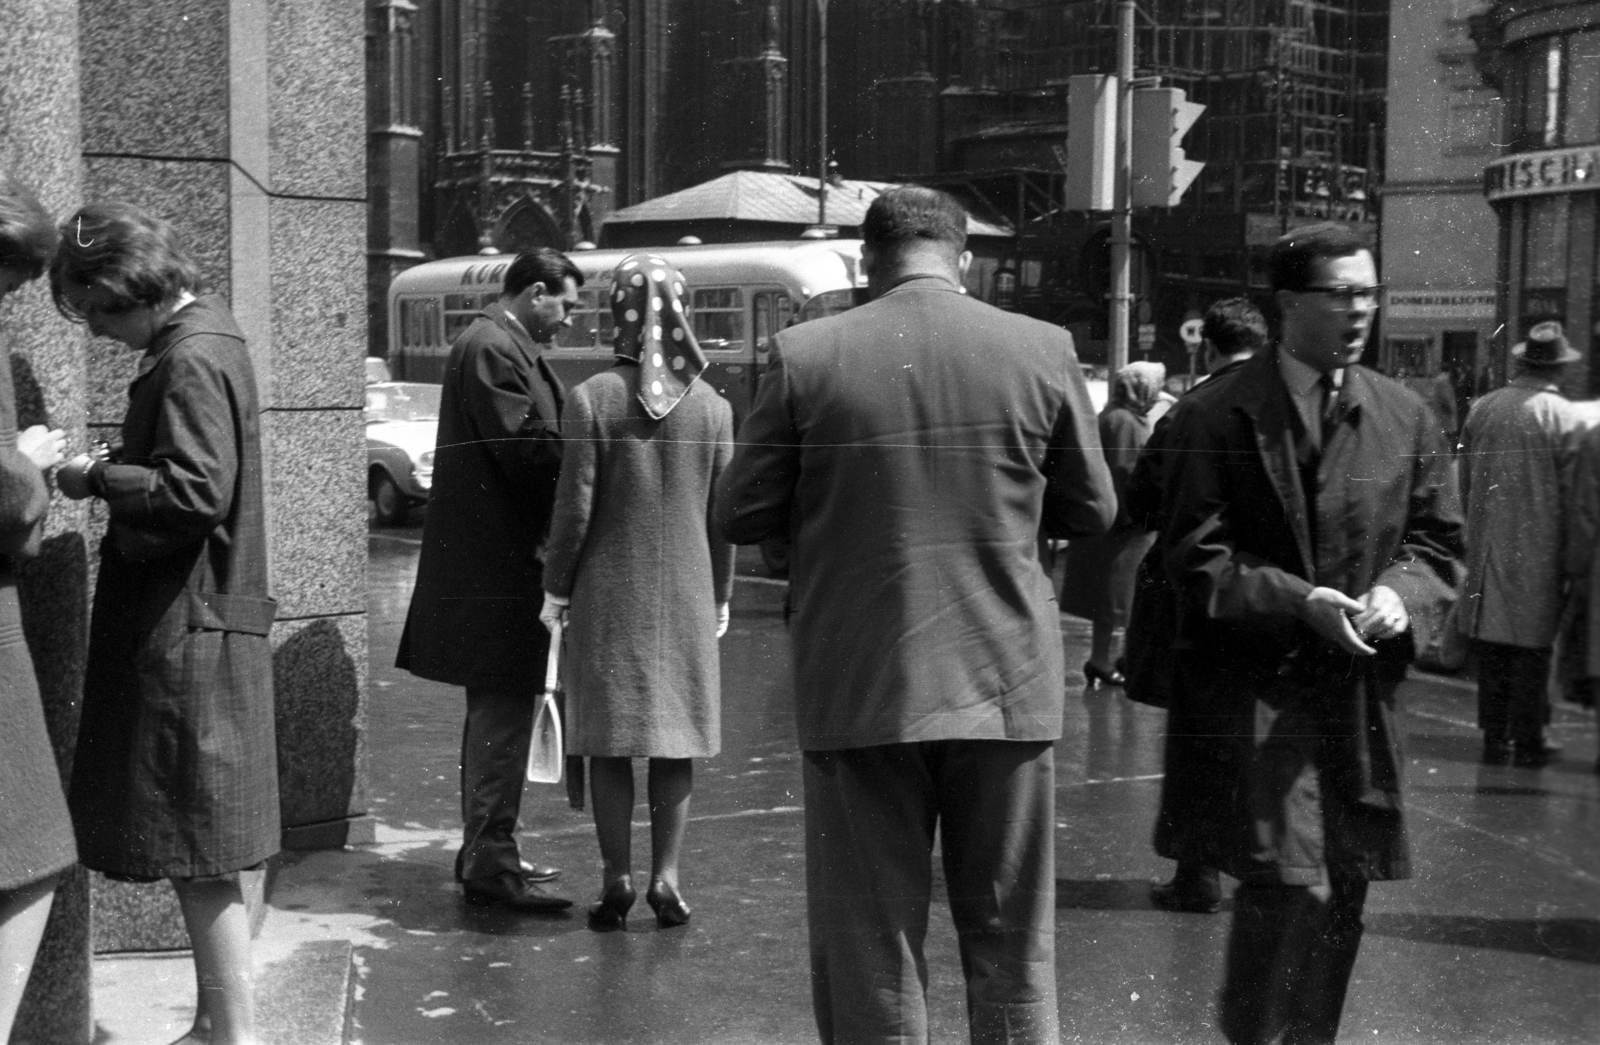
(1300, 378)
(1538, 384)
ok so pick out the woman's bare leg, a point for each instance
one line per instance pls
(219, 932)
(23, 912)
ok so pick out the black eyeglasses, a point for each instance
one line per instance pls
(1345, 297)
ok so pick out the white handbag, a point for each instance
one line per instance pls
(547, 751)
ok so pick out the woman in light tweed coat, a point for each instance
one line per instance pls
(636, 565)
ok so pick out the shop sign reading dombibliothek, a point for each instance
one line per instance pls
(1536, 173)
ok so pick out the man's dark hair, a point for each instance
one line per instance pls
(1234, 325)
(908, 213)
(540, 265)
(1295, 255)
(27, 232)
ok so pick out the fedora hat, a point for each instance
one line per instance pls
(1546, 346)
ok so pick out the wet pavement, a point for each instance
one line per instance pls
(1496, 939)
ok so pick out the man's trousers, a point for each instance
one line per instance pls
(1513, 692)
(1290, 956)
(870, 819)
(494, 760)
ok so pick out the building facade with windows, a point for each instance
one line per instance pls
(1544, 56)
(1439, 236)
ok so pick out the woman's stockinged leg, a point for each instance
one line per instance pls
(671, 782)
(219, 931)
(611, 780)
(23, 913)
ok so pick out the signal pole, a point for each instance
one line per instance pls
(822, 123)
(1122, 212)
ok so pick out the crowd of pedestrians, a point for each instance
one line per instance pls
(1276, 547)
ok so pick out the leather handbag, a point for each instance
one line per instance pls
(547, 750)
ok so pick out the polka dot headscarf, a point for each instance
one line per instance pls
(653, 329)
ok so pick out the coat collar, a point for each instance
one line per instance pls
(532, 352)
(921, 281)
(207, 314)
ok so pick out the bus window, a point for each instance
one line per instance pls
(718, 316)
(829, 303)
(591, 321)
(459, 312)
(772, 311)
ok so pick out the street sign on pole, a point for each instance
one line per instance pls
(1147, 336)
(1191, 332)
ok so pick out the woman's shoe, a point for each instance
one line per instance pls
(1094, 675)
(670, 909)
(610, 913)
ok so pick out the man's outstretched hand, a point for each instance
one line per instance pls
(1330, 613)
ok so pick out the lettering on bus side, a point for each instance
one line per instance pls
(483, 274)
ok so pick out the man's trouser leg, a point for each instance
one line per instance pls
(997, 830)
(494, 759)
(869, 815)
(1513, 692)
(1494, 703)
(1289, 962)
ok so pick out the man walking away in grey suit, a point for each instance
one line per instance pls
(910, 449)
(474, 617)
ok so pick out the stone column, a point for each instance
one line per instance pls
(39, 143)
(243, 124)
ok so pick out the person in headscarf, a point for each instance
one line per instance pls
(642, 579)
(1101, 571)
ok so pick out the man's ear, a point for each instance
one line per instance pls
(536, 290)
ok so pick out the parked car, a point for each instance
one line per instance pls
(377, 370)
(402, 427)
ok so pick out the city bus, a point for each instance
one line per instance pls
(741, 295)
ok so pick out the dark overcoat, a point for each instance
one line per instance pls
(1300, 767)
(910, 449)
(633, 545)
(35, 833)
(474, 616)
(176, 771)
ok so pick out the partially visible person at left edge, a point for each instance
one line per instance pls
(911, 448)
(176, 770)
(35, 834)
(1581, 667)
(1516, 461)
(474, 615)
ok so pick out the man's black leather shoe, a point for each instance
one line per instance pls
(535, 873)
(509, 889)
(1535, 755)
(1195, 895)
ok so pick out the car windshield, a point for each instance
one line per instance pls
(402, 401)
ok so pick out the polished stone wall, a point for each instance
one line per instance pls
(241, 121)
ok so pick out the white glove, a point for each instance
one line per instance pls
(554, 611)
(72, 478)
(722, 619)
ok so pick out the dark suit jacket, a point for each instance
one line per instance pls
(474, 617)
(1304, 756)
(909, 449)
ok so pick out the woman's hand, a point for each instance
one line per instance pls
(45, 447)
(722, 619)
(72, 478)
(554, 611)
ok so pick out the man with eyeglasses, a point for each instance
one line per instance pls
(1313, 531)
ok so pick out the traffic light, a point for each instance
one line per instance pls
(1161, 173)
(1091, 163)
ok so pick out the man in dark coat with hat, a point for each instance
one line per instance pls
(1312, 530)
(474, 617)
(1518, 445)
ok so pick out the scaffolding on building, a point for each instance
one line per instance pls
(1294, 89)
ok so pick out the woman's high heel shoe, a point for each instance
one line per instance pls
(670, 909)
(1094, 676)
(610, 913)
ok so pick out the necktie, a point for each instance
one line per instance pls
(1329, 406)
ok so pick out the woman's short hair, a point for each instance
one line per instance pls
(540, 265)
(1295, 254)
(27, 232)
(124, 250)
(1137, 386)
